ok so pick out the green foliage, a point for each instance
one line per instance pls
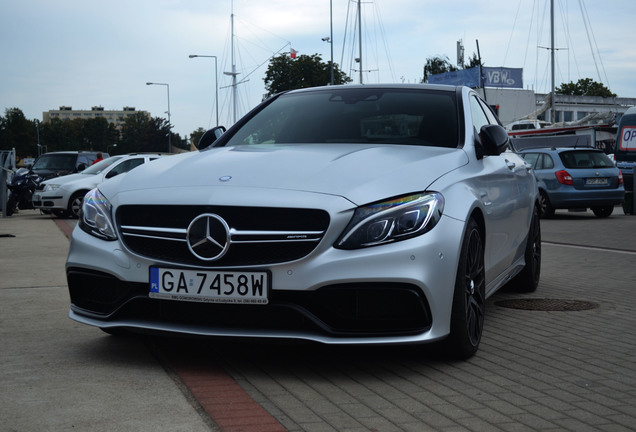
(437, 65)
(18, 132)
(195, 136)
(473, 62)
(140, 133)
(285, 73)
(584, 87)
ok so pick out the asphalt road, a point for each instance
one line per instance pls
(572, 368)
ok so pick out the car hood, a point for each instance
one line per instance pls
(359, 173)
(47, 174)
(65, 179)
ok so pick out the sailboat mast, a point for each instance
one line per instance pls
(360, 38)
(552, 113)
(233, 73)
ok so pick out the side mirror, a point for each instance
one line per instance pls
(81, 167)
(210, 136)
(494, 140)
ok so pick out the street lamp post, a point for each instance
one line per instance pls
(329, 39)
(216, 83)
(109, 146)
(169, 124)
(331, 35)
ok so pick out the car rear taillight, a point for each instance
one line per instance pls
(620, 177)
(564, 178)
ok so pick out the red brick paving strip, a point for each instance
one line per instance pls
(66, 228)
(229, 406)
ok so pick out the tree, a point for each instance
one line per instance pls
(285, 73)
(99, 134)
(16, 132)
(584, 87)
(473, 62)
(195, 136)
(142, 133)
(437, 65)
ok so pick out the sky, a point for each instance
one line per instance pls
(86, 53)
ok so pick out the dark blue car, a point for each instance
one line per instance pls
(575, 179)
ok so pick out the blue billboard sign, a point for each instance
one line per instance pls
(499, 77)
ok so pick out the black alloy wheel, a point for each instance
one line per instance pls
(547, 211)
(469, 301)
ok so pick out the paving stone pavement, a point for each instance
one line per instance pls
(535, 370)
(542, 370)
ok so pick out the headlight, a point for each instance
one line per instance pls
(394, 220)
(51, 187)
(96, 216)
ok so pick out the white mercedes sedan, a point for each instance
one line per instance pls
(374, 214)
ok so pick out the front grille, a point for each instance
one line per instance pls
(258, 235)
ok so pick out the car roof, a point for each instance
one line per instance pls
(72, 152)
(438, 87)
(558, 149)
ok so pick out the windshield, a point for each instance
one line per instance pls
(101, 165)
(585, 159)
(55, 162)
(355, 115)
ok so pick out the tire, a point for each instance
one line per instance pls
(75, 204)
(10, 208)
(603, 211)
(547, 211)
(469, 298)
(527, 280)
(60, 213)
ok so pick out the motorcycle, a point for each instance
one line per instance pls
(21, 188)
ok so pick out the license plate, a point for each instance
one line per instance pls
(207, 286)
(596, 181)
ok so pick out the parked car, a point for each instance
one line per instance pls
(576, 179)
(625, 156)
(343, 214)
(625, 150)
(55, 164)
(64, 195)
(25, 180)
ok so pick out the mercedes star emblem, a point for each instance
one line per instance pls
(208, 237)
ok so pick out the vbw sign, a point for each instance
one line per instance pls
(490, 77)
(503, 77)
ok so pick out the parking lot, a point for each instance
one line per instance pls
(560, 359)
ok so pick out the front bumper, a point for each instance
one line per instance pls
(46, 201)
(395, 293)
